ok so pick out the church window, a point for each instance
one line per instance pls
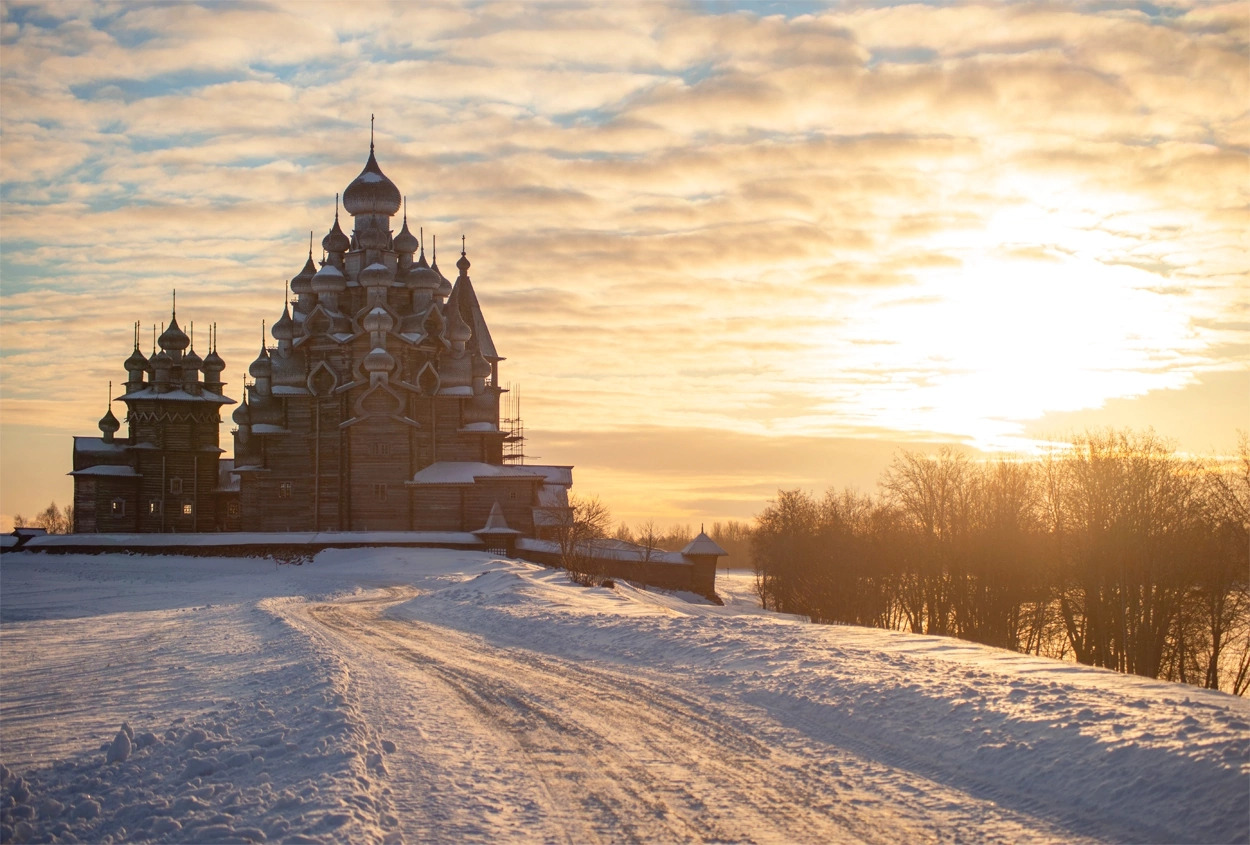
(232, 508)
(187, 509)
(284, 490)
(175, 486)
(154, 507)
(119, 507)
(379, 492)
(381, 449)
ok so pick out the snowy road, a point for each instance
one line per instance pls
(380, 695)
(565, 751)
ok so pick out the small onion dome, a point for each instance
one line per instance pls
(174, 337)
(378, 320)
(335, 240)
(444, 287)
(463, 264)
(109, 424)
(423, 278)
(379, 361)
(457, 328)
(213, 363)
(136, 363)
(243, 414)
(371, 192)
(481, 367)
(262, 367)
(284, 329)
(405, 241)
(375, 276)
(301, 282)
(329, 279)
(191, 361)
(161, 363)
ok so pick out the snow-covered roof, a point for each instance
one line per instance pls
(703, 545)
(178, 395)
(553, 496)
(463, 390)
(312, 538)
(97, 445)
(481, 426)
(607, 550)
(109, 470)
(562, 475)
(267, 428)
(467, 472)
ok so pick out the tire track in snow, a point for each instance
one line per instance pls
(616, 757)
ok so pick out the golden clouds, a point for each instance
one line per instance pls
(942, 221)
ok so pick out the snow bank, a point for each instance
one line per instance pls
(325, 703)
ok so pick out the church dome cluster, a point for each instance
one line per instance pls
(373, 403)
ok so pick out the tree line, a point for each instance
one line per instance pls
(52, 519)
(1118, 553)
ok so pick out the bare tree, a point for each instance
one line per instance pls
(649, 538)
(51, 519)
(586, 520)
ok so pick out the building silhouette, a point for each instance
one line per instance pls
(376, 409)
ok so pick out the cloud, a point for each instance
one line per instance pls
(928, 220)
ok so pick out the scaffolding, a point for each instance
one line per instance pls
(511, 424)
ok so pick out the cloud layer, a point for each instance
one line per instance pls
(898, 222)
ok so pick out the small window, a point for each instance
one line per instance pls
(380, 449)
(232, 508)
(187, 509)
(379, 492)
(175, 486)
(154, 507)
(119, 507)
(511, 494)
(284, 490)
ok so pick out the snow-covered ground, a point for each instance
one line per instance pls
(431, 695)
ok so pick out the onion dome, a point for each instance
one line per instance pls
(192, 362)
(161, 364)
(109, 424)
(375, 276)
(173, 337)
(444, 287)
(284, 329)
(378, 361)
(481, 367)
(371, 192)
(262, 367)
(213, 363)
(301, 282)
(243, 414)
(458, 330)
(378, 320)
(137, 362)
(406, 242)
(329, 279)
(335, 240)
(463, 264)
(422, 276)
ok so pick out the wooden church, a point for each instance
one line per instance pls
(376, 409)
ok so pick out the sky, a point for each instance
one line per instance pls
(726, 247)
